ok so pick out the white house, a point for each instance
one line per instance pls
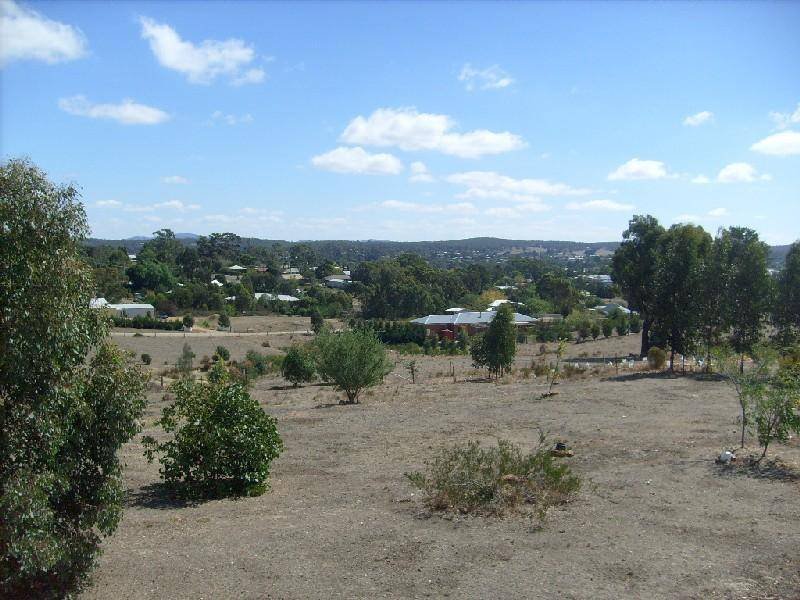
(98, 303)
(132, 310)
(279, 297)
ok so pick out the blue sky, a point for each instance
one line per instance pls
(412, 120)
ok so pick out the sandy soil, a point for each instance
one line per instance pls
(656, 517)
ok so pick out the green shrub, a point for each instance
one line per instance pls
(223, 443)
(407, 348)
(595, 331)
(63, 416)
(608, 327)
(469, 478)
(298, 366)
(656, 358)
(146, 358)
(224, 320)
(223, 353)
(352, 360)
(635, 323)
(317, 322)
(188, 321)
(774, 411)
(184, 363)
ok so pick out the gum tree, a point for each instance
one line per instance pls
(63, 415)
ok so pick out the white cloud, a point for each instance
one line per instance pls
(203, 62)
(108, 203)
(784, 120)
(488, 184)
(740, 173)
(409, 130)
(26, 34)
(712, 215)
(228, 119)
(639, 169)
(607, 205)
(126, 112)
(175, 179)
(420, 173)
(414, 207)
(169, 204)
(701, 179)
(718, 212)
(490, 78)
(784, 143)
(699, 118)
(357, 160)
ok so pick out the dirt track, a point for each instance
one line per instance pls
(656, 517)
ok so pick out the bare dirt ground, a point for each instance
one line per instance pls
(656, 518)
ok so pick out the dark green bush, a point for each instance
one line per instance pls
(188, 321)
(470, 478)
(224, 320)
(223, 443)
(352, 360)
(146, 323)
(298, 365)
(656, 358)
(223, 353)
(146, 358)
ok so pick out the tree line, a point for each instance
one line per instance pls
(694, 291)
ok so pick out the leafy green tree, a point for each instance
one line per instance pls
(787, 300)
(151, 275)
(188, 321)
(676, 310)
(223, 353)
(184, 364)
(352, 360)
(317, 322)
(595, 330)
(224, 320)
(223, 442)
(298, 366)
(746, 289)
(496, 348)
(63, 415)
(607, 326)
(776, 409)
(634, 269)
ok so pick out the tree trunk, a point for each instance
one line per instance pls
(645, 337)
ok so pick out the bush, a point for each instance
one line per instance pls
(775, 409)
(146, 359)
(408, 348)
(352, 360)
(635, 323)
(595, 331)
(223, 442)
(223, 353)
(470, 478)
(298, 366)
(656, 358)
(317, 322)
(146, 323)
(608, 328)
(184, 363)
(188, 321)
(258, 365)
(224, 320)
(63, 415)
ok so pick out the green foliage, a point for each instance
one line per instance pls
(656, 358)
(595, 330)
(222, 442)
(184, 363)
(352, 360)
(496, 348)
(470, 478)
(62, 417)
(188, 321)
(635, 323)
(776, 407)
(787, 301)
(258, 365)
(142, 322)
(146, 358)
(298, 365)
(223, 353)
(607, 325)
(224, 320)
(317, 321)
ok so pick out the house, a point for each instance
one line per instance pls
(130, 311)
(233, 278)
(344, 276)
(237, 268)
(98, 303)
(496, 303)
(610, 308)
(278, 297)
(336, 283)
(455, 309)
(291, 273)
(217, 283)
(449, 326)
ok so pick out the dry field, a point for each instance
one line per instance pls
(656, 517)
